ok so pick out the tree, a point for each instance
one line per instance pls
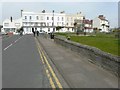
(21, 29)
(58, 28)
(95, 30)
(76, 27)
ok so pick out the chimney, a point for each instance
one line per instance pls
(11, 18)
(21, 12)
(43, 11)
(62, 12)
(100, 15)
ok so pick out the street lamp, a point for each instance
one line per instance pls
(53, 22)
(84, 26)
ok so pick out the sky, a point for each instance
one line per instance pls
(91, 10)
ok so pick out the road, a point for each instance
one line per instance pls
(21, 64)
(37, 62)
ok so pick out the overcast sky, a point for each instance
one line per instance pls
(89, 9)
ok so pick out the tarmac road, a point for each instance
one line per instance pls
(21, 64)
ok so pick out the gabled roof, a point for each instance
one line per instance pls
(102, 17)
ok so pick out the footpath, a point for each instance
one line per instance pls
(76, 70)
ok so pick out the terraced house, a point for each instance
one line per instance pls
(47, 22)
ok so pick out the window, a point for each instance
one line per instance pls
(68, 29)
(25, 17)
(44, 24)
(52, 23)
(62, 23)
(47, 18)
(41, 24)
(17, 24)
(47, 24)
(58, 18)
(40, 29)
(6, 24)
(62, 18)
(48, 29)
(36, 24)
(41, 17)
(37, 18)
(72, 29)
(31, 23)
(52, 18)
(30, 17)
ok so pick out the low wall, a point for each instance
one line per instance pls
(94, 55)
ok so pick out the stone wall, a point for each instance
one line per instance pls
(94, 55)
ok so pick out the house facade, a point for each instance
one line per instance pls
(88, 25)
(11, 26)
(101, 23)
(47, 22)
(71, 19)
(83, 25)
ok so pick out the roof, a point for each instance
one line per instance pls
(102, 17)
(86, 21)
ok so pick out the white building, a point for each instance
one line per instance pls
(47, 22)
(11, 26)
(88, 25)
(70, 20)
(101, 23)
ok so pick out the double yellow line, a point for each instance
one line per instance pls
(49, 71)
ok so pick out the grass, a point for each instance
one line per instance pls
(105, 42)
(64, 34)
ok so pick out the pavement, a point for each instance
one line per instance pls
(21, 64)
(75, 69)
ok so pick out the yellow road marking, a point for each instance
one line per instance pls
(47, 72)
(50, 79)
(50, 68)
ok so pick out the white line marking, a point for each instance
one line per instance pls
(12, 44)
(8, 46)
(16, 41)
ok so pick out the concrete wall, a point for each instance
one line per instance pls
(94, 55)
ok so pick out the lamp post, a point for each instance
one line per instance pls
(22, 19)
(84, 26)
(53, 22)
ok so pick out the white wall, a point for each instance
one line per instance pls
(9, 26)
(57, 22)
(96, 23)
